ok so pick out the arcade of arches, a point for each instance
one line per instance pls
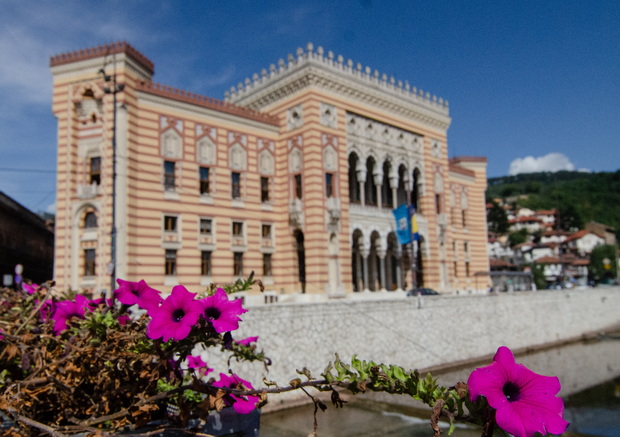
(378, 261)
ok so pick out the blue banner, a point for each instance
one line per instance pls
(403, 228)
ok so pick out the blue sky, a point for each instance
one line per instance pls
(532, 85)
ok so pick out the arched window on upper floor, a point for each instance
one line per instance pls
(416, 192)
(354, 186)
(370, 191)
(387, 199)
(401, 191)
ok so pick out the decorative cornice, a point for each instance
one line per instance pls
(205, 102)
(312, 68)
(103, 50)
(461, 159)
(454, 168)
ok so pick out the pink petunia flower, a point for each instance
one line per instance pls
(66, 309)
(176, 316)
(30, 288)
(525, 402)
(123, 319)
(246, 341)
(241, 404)
(130, 293)
(196, 362)
(222, 313)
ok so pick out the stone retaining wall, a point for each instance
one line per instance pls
(419, 333)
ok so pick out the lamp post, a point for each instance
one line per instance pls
(115, 89)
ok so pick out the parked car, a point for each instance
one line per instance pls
(422, 291)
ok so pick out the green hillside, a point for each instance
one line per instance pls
(587, 196)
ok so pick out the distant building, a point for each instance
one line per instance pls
(582, 242)
(26, 239)
(604, 231)
(293, 177)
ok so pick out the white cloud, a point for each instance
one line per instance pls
(551, 162)
(51, 208)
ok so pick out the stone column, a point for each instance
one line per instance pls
(364, 253)
(361, 180)
(381, 255)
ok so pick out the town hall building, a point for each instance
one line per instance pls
(293, 176)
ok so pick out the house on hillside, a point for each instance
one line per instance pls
(26, 239)
(582, 242)
(530, 223)
(606, 232)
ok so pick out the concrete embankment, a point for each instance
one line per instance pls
(420, 334)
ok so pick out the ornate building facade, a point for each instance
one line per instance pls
(293, 176)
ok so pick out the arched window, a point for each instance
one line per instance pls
(354, 186)
(301, 259)
(386, 190)
(401, 191)
(416, 192)
(371, 188)
(90, 220)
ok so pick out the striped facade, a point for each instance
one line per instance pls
(293, 176)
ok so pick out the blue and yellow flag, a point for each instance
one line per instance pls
(403, 224)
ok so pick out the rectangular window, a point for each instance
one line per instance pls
(204, 180)
(171, 262)
(456, 269)
(329, 185)
(264, 189)
(466, 248)
(438, 203)
(266, 264)
(467, 268)
(464, 217)
(298, 186)
(89, 262)
(95, 170)
(170, 223)
(169, 179)
(236, 185)
(206, 226)
(205, 263)
(238, 263)
(266, 231)
(237, 229)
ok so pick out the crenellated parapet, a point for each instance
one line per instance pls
(312, 67)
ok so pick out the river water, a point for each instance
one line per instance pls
(589, 373)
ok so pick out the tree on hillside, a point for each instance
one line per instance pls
(497, 219)
(569, 219)
(517, 237)
(603, 264)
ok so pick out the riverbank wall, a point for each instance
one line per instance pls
(419, 333)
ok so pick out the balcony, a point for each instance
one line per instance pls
(88, 191)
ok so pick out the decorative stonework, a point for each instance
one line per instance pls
(329, 116)
(295, 142)
(295, 161)
(236, 157)
(171, 144)
(312, 68)
(436, 149)
(294, 117)
(206, 151)
(265, 163)
(464, 199)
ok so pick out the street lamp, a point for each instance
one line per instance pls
(115, 89)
